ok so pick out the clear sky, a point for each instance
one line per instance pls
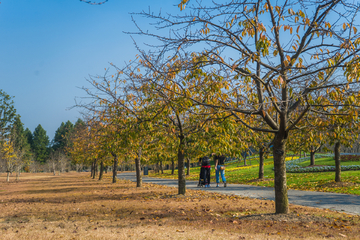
(49, 47)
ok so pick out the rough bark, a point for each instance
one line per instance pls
(181, 169)
(96, 169)
(93, 169)
(101, 170)
(157, 167)
(114, 167)
(281, 196)
(261, 163)
(337, 162)
(94, 166)
(312, 156)
(188, 167)
(138, 169)
(161, 167)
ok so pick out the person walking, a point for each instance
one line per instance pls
(220, 169)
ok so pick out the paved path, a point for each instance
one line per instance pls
(334, 201)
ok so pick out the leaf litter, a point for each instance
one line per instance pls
(73, 206)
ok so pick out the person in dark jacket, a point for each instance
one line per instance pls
(220, 169)
(205, 170)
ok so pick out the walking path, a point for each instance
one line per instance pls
(334, 201)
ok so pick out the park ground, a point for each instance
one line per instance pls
(74, 206)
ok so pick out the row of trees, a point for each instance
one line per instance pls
(228, 76)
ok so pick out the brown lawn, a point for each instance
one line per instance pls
(73, 206)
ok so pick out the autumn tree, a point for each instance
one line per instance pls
(344, 131)
(122, 112)
(272, 58)
(8, 156)
(78, 132)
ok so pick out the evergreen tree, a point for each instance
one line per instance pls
(60, 139)
(40, 144)
(29, 137)
(20, 144)
(79, 124)
(20, 140)
(7, 113)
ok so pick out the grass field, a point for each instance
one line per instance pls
(73, 206)
(323, 181)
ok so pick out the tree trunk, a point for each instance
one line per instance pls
(106, 169)
(156, 167)
(161, 167)
(138, 169)
(245, 161)
(281, 196)
(337, 162)
(261, 163)
(92, 170)
(312, 156)
(8, 177)
(101, 170)
(172, 166)
(17, 175)
(181, 169)
(96, 169)
(188, 167)
(115, 167)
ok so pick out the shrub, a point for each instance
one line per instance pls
(349, 158)
(322, 169)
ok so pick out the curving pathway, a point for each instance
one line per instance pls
(333, 201)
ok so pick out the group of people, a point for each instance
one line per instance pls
(206, 169)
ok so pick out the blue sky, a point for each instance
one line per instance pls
(49, 47)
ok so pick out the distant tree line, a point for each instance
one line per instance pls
(23, 150)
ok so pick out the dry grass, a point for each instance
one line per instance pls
(73, 206)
